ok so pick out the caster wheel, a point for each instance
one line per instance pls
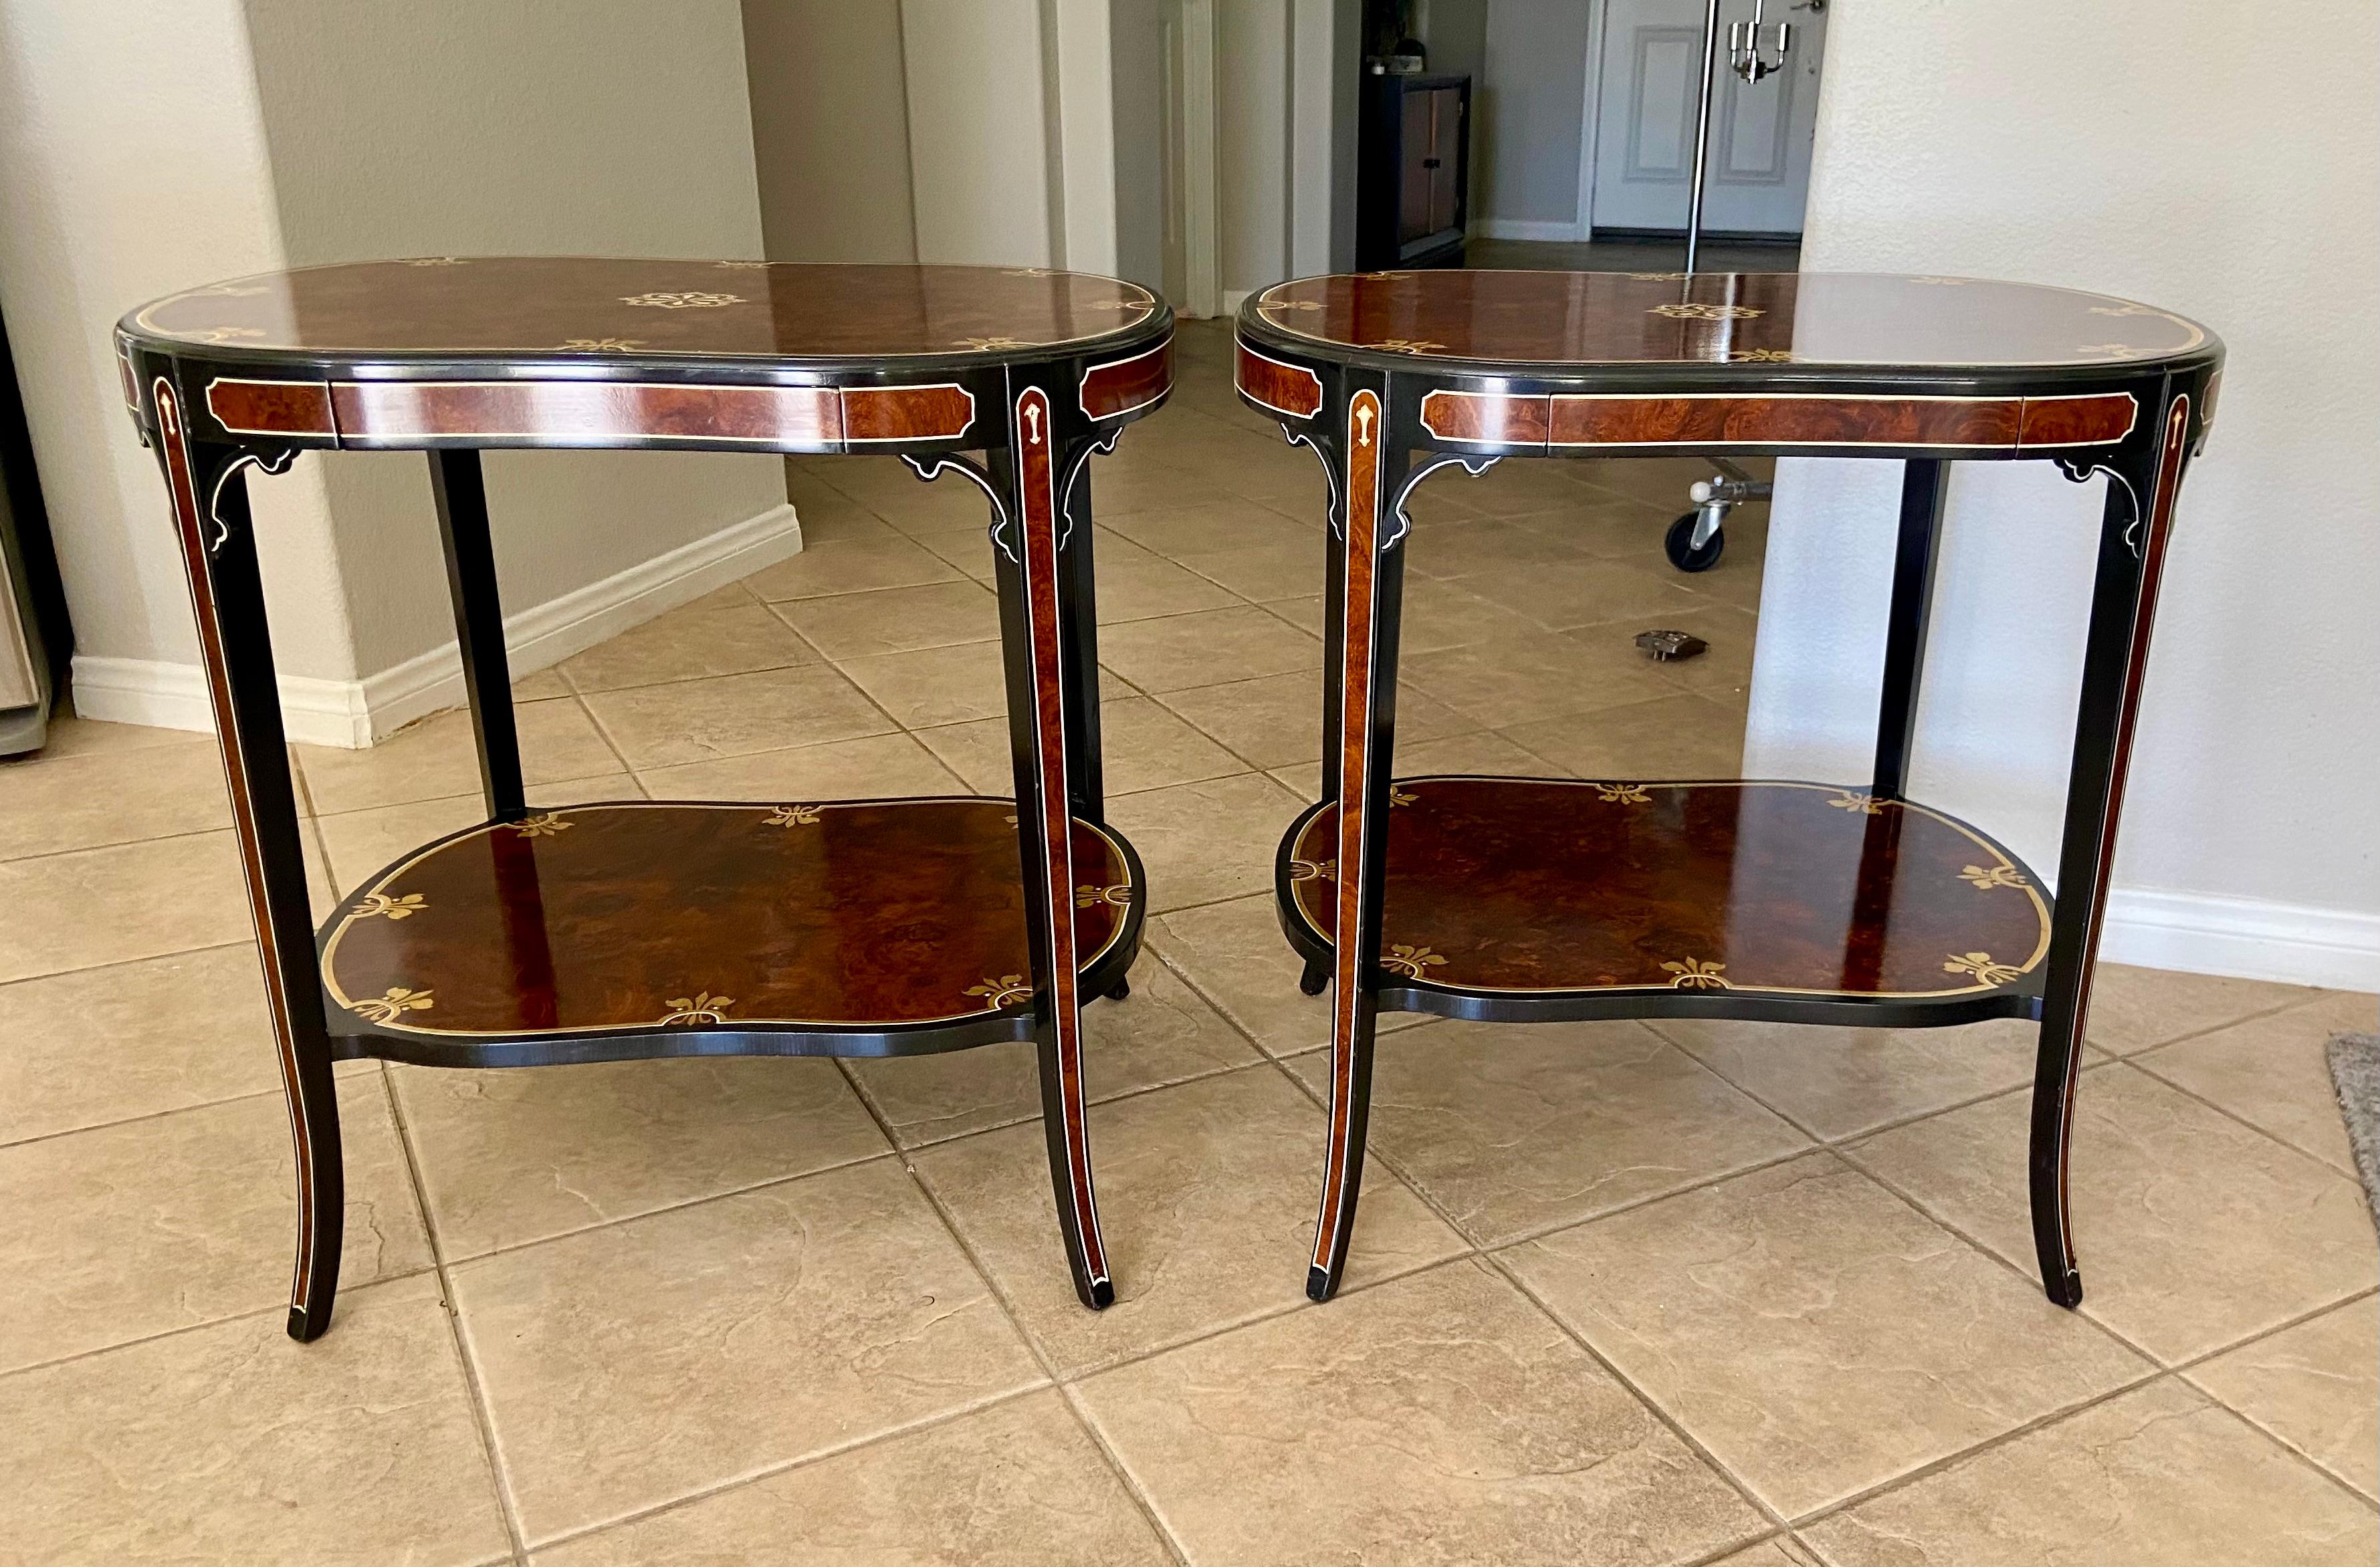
(1314, 982)
(1679, 545)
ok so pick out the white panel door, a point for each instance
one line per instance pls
(1645, 120)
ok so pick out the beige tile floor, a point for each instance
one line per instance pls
(1619, 1294)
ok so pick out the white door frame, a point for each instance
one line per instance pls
(1589, 113)
(1197, 198)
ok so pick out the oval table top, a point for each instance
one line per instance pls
(577, 309)
(1553, 321)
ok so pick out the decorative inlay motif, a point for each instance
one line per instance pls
(1707, 312)
(1401, 796)
(2112, 350)
(1383, 277)
(220, 334)
(1119, 896)
(1988, 876)
(1660, 277)
(793, 816)
(1026, 272)
(602, 344)
(743, 265)
(1271, 305)
(985, 344)
(400, 907)
(1405, 344)
(1005, 991)
(1621, 794)
(1695, 974)
(1411, 960)
(543, 826)
(1867, 805)
(1980, 964)
(701, 1008)
(1313, 870)
(388, 1009)
(690, 300)
(1762, 355)
(2127, 310)
(434, 262)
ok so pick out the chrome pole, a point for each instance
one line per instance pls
(1701, 131)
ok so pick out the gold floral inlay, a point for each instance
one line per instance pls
(1865, 804)
(543, 826)
(1383, 277)
(400, 908)
(1411, 960)
(1117, 896)
(1401, 796)
(691, 299)
(1698, 312)
(1622, 794)
(1695, 974)
(602, 344)
(701, 1008)
(1005, 991)
(1988, 876)
(1116, 305)
(220, 334)
(1762, 355)
(1981, 966)
(1271, 305)
(1313, 871)
(1405, 344)
(793, 816)
(985, 344)
(389, 1007)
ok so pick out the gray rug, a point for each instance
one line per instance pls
(2355, 1077)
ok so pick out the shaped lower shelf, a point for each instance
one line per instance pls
(636, 928)
(1529, 899)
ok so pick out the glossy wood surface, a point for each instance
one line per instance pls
(1798, 318)
(607, 309)
(1116, 387)
(877, 913)
(1289, 390)
(1498, 885)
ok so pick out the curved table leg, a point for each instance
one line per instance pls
(1362, 605)
(219, 551)
(2135, 526)
(1042, 667)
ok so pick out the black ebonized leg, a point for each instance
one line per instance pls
(1043, 665)
(1364, 601)
(1923, 487)
(1316, 980)
(2132, 533)
(219, 552)
(462, 497)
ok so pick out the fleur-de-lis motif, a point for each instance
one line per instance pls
(1621, 793)
(701, 1008)
(602, 344)
(1272, 305)
(389, 1007)
(377, 903)
(1988, 876)
(1762, 355)
(1363, 424)
(1707, 312)
(691, 299)
(1980, 964)
(1405, 344)
(1033, 423)
(1411, 960)
(1119, 896)
(1401, 796)
(985, 344)
(1005, 991)
(793, 816)
(1851, 799)
(542, 826)
(1695, 974)
(434, 261)
(1313, 870)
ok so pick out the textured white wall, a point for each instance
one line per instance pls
(2222, 164)
(413, 128)
(830, 129)
(132, 164)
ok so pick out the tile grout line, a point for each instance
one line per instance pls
(2233, 1116)
(483, 1416)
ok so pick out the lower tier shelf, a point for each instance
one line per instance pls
(1524, 898)
(636, 928)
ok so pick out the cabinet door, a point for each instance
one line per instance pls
(1416, 140)
(1445, 157)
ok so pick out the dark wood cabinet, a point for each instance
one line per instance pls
(1413, 197)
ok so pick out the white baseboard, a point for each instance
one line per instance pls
(1527, 228)
(355, 713)
(2244, 937)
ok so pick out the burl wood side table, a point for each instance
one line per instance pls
(636, 929)
(1524, 900)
